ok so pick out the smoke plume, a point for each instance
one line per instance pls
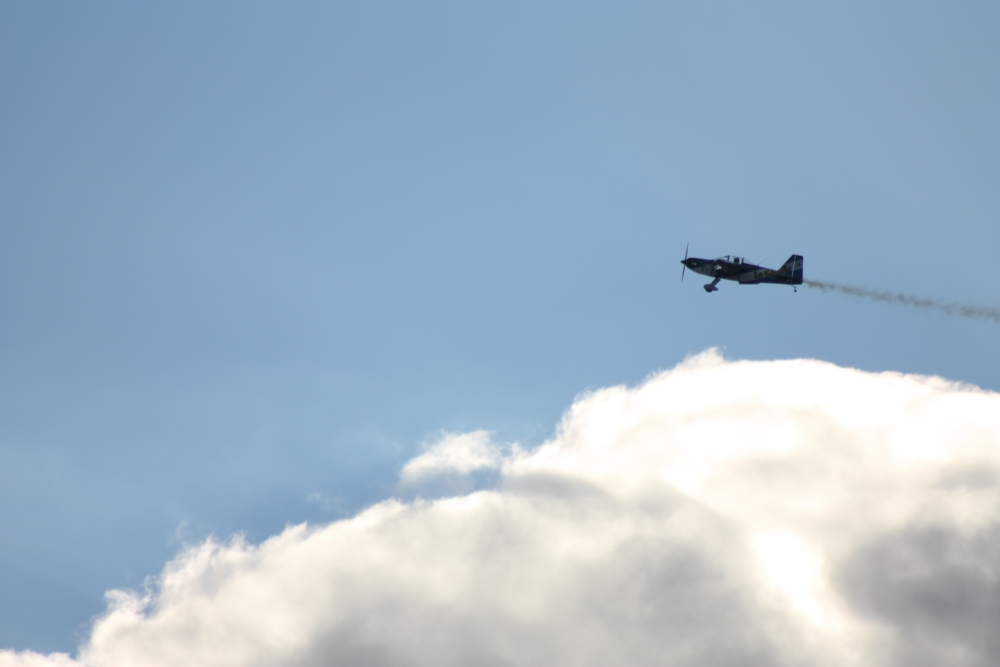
(946, 307)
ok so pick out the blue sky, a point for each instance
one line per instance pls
(254, 255)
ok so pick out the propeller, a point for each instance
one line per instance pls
(685, 261)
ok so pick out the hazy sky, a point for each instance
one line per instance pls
(254, 256)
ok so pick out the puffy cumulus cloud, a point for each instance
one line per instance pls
(32, 659)
(722, 513)
(460, 453)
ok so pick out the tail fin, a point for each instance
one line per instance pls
(793, 267)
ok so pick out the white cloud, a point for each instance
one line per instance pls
(460, 453)
(723, 513)
(32, 659)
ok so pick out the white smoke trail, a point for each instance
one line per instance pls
(946, 307)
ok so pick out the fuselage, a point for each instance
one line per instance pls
(745, 273)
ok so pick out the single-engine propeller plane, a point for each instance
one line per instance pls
(743, 272)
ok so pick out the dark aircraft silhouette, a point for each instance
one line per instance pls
(743, 272)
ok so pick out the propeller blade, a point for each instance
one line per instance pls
(684, 268)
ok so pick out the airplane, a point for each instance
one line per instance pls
(742, 271)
